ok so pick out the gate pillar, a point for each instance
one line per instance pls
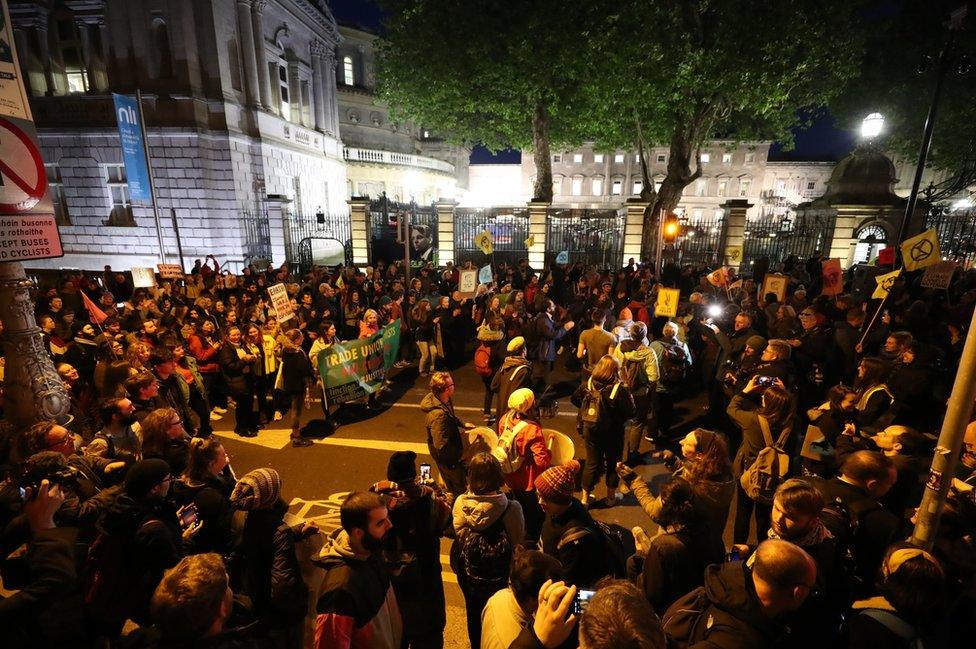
(734, 227)
(277, 206)
(445, 230)
(537, 230)
(359, 229)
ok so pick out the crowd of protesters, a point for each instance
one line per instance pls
(136, 532)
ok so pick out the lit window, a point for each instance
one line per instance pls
(348, 77)
(557, 186)
(618, 158)
(70, 44)
(744, 187)
(118, 190)
(657, 185)
(706, 158)
(617, 188)
(577, 186)
(723, 187)
(700, 186)
(726, 158)
(697, 214)
(577, 158)
(662, 158)
(598, 158)
(637, 158)
(638, 187)
(306, 103)
(750, 158)
(557, 157)
(284, 102)
(53, 173)
(781, 188)
(598, 186)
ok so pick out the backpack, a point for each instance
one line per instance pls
(618, 544)
(896, 625)
(633, 376)
(506, 451)
(483, 559)
(843, 520)
(769, 469)
(482, 360)
(689, 620)
(591, 405)
(674, 365)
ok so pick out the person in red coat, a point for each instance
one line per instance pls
(521, 440)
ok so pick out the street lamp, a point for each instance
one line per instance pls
(872, 125)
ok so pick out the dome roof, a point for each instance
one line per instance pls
(865, 177)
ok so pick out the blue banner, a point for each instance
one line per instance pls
(133, 151)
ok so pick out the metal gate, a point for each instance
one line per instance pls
(383, 215)
(778, 236)
(699, 241)
(322, 251)
(299, 227)
(255, 235)
(594, 237)
(509, 227)
(957, 232)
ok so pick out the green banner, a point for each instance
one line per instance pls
(354, 369)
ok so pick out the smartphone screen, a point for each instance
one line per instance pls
(582, 600)
(424, 473)
(189, 515)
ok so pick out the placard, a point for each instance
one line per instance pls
(884, 284)
(143, 278)
(921, 251)
(733, 255)
(939, 275)
(886, 257)
(13, 95)
(667, 302)
(485, 242)
(354, 369)
(833, 276)
(468, 283)
(280, 301)
(170, 271)
(777, 284)
(484, 275)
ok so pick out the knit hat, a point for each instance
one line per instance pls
(756, 342)
(144, 475)
(386, 299)
(522, 400)
(402, 466)
(258, 489)
(626, 314)
(515, 344)
(556, 483)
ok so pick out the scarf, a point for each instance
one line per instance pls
(817, 535)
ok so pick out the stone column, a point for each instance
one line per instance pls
(318, 92)
(278, 207)
(634, 228)
(735, 225)
(295, 90)
(359, 220)
(88, 55)
(45, 46)
(24, 55)
(445, 230)
(248, 53)
(537, 230)
(261, 60)
(330, 103)
(34, 391)
(108, 61)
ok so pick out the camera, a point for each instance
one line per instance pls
(582, 600)
(425, 474)
(765, 381)
(49, 466)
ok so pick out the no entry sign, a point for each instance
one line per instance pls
(23, 183)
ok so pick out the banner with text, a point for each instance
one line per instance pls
(280, 301)
(354, 369)
(133, 152)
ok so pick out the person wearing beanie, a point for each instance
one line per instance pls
(265, 561)
(569, 533)
(639, 370)
(740, 370)
(523, 452)
(489, 357)
(515, 373)
(421, 516)
(622, 329)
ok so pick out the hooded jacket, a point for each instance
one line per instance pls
(443, 431)
(357, 608)
(632, 350)
(478, 513)
(508, 379)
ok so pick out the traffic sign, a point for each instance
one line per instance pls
(29, 236)
(23, 183)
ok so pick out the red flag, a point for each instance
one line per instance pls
(97, 315)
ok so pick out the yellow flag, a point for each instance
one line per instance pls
(339, 283)
(885, 282)
(921, 251)
(484, 241)
(667, 302)
(530, 241)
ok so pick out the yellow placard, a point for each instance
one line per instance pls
(885, 282)
(733, 255)
(667, 302)
(530, 241)
(921, 250)
(484, 241)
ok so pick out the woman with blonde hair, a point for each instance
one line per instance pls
(138, 356)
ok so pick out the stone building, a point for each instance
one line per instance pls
(240, 102)
(402, 159)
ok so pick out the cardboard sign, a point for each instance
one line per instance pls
(921, 251)
(733, 255)
(143, 278)
(170, 271)
(667, 302)
(484, 275)
(280, 302)
(777, 284)
(484, 242)
(886, 257)
(939, 275)
(833, 277)
(468, 283)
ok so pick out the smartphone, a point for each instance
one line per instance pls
(765, 381)
(733, 555)
(582, 600)
(188, 516)
(425, 473)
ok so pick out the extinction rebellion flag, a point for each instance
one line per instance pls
(354, 369)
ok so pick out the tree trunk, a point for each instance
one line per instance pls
(542, 192)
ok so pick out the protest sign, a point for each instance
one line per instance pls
(667, 302)
(354, 369)
(885, 282)
(143, 278)
(484, 275)
(562, 257)
(774, 283)
(530, 241)
(886, 257)
(733, 255)
(468, 283)
(833, 283)
(484, 242)
(170, 271)
(718, 277)
(939, 275)
(280, 301)
(921, 251)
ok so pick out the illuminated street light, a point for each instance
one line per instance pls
(872, 126)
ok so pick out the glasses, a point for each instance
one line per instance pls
(806, 314)
(61, 441)
(178, 422)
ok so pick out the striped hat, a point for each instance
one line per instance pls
(258, 489)
(556, 484)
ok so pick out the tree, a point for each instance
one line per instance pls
(505, 73)
(681, 73)
(897, 79)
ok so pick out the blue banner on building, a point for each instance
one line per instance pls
(133, 151)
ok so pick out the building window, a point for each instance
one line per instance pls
(662, 158)
(348, 78)
(638, 187)
(811, 185)
(744, 187)
(577, 186)
(557, 157)
(700, 186)
(598, 158)
(577, 158)
(598, 187)
(697, 213)
(618, 158)
(726, 158)
(284, 100)
(306, 103)
(750, 158)
(557, 186)
(69, 42)
(781, 188)
(53, 173)
(161, 39)
(637, 158)
(118, 190)
(723, 187)
(657, 185)
(617, 188)
(706, 158)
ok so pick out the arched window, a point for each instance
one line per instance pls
(348, 78)
(160, 34)
(870, 240)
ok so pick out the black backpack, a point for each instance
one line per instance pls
(843, 520)
(618, 544)
(482, 559)
(674, 365)
(633, 376)
(690, 619)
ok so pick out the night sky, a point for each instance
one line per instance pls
(824, 140)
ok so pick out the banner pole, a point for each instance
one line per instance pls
(152, 180)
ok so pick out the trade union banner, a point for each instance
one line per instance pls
(354, 369)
